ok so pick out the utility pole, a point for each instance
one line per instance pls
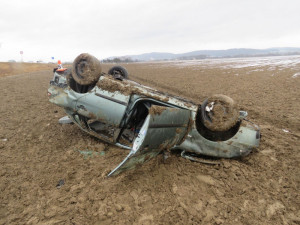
(21, 53)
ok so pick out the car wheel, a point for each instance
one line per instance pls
(119, 72)
(86, 69)
(219, 113)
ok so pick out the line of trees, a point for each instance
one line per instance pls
(119, 60)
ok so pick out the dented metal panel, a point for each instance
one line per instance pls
(62, 97)
(163, 128)
(240, 144)
(103, 105)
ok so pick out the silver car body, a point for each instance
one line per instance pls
(168, 122)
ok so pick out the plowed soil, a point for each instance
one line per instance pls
(36, 152)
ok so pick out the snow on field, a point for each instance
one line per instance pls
(257, 63)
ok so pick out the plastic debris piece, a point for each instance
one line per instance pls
(65, 120)
(60, 183)
(90, 153)
(296, 75)
(86, 154)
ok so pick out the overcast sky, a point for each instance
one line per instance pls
(63, 29)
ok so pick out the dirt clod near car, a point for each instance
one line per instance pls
(36, 152)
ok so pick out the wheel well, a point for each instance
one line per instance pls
(78, 87)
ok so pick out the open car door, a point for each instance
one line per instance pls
(163, 128)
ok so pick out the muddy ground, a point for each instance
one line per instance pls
(36, 153)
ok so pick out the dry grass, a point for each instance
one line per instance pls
(8, 69)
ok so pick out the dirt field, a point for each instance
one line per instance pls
(8, 69)
(263, 188)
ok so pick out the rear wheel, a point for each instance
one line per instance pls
(86, 69)
(218, 118)
(119, 72)
(219, 113)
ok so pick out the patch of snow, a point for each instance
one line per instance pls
(255, 63)
(296, 75)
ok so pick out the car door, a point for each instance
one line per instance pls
(105, 106)
(163, 128)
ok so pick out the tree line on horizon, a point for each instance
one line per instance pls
(119, 60)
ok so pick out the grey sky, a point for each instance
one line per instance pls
(64, 29)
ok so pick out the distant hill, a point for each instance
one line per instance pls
(202, 54)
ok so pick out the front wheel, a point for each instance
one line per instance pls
(86, 69)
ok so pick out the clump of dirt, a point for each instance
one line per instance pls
(113, 85)
(126, 87)
(156, 110)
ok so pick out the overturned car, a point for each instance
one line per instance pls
(145, 121)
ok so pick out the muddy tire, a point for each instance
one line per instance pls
(219, 113)
(118, 72)
(86, 69)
